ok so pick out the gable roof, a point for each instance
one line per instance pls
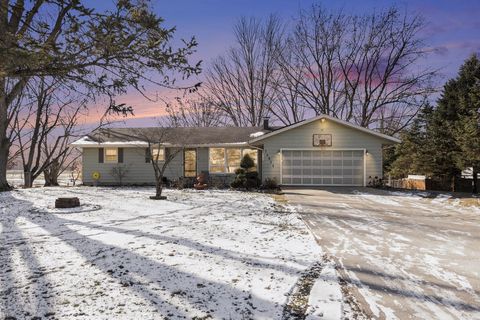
(196, 136)
(324, 116)
(203, 136)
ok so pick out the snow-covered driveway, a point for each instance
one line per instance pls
(198, 255)
(404, 256)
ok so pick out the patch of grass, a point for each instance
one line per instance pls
(470, 202)
(297, 302)
(280, 198)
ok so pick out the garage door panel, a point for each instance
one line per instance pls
(315, 167)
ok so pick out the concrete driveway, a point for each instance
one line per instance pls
(402, 255)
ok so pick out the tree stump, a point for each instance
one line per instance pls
(67, 202)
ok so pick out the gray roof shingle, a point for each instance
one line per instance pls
(188, 135)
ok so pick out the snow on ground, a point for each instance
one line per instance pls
(326, 299)
(15, 178)
(197, 255)
(404, 256)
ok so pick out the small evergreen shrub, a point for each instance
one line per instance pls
(270, 184)
(247, 162)
(246, 177)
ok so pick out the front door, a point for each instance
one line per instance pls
(190, 163)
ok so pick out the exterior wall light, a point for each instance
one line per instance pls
(322, 120)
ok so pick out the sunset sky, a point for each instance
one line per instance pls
(453, 30)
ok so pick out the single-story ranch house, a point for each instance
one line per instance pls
(321, 151)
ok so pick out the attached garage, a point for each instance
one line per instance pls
(322, 151)
(323, 167)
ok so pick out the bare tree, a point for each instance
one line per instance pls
(288, 106)
(163, 145)
(309, 60)
(44, 131)
(119, 172)
(75, 169)
(360, 68)
(114, 51)
(61, 162)
(200, 111)
(241, 81)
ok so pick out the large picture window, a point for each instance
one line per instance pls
(111, 155)
(227, 160)
(217, 160)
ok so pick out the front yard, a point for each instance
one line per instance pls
(198, 255)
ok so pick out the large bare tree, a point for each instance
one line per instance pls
(102, 52)
(241, 80)
(43, 128)
(362, 68)
(198, 111)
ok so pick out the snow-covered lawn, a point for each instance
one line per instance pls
(198, 255)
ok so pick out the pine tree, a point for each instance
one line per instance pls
(453, 129)
(410, 155)
(466, 130)
(445, 140)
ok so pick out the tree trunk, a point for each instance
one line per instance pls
(4, 148)
(158, 188)
(51, 174)
(4, 142)
(452, 184)
(474, 182)
(51, 178)
(27, 179)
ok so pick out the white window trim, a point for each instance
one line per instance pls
(105, 159)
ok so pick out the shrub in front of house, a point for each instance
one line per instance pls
(270, 184)
(246, 177)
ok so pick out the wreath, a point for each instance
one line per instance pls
(96, 175)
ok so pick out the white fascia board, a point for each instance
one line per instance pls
(345, 123)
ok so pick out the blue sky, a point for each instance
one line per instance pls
(453, 27)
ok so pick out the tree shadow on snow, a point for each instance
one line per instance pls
(389, 285)
(27, 295)
(157, 283)
(223, 253)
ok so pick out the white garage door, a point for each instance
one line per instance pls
(323, 168)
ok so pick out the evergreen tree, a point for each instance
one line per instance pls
(466, 130)
(411, 153)
(445, 140)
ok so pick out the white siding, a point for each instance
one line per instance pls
(343, 137)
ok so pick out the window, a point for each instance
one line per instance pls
(158, 153)
(217, 160)
(233, 159)
(111, 155)
(190, 163)
(227, 160)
